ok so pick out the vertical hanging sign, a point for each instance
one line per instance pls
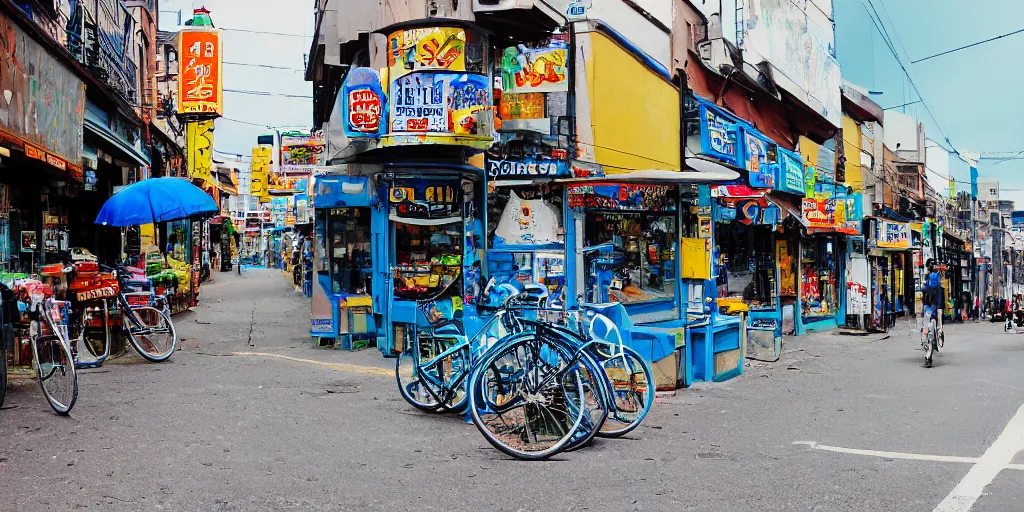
(260, 175)
(200, 89)
(199, 142)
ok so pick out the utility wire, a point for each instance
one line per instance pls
(263, 66)
(268, 93)
(284, 34)
(947, 52)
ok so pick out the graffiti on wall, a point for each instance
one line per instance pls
(41, 101)
(543, 69)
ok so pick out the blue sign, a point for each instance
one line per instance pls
(719, 134)
(760, 157)
(363, 104)
(526, 168)
(790, 171)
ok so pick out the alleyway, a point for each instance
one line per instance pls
(249, 416)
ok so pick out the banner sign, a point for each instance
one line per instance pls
(622, 196)
(259, 176)
(719, 134)
(790, 170)
(892, 235)
(761, 157)
(439, 103)
(526, 168)
(528, 70)
(200, 86)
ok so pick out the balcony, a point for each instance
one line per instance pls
(103, 54)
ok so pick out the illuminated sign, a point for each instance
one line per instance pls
(200, 89)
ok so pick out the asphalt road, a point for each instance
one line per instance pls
(249, 416)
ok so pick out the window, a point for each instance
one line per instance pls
(746, 263)
(993, 191)
(630, 257)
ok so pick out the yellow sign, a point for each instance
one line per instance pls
(260, 176)
(696, 258)
(199, 139)
(435, 48)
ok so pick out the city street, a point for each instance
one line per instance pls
(248, 415)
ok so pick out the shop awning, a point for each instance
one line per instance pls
(790, 209)
(699, 169)
(104, 133)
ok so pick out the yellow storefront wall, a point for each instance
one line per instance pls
(852, 151)
(634, 113)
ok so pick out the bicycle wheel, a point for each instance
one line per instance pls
(154, 338)
(410, 386)
(929, 343)
(55, 369)
(596, 400)
(527, 397)
(632, 387)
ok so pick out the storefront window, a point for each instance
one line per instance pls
(818, 290)
(630, 257)
(524, 238)
(347, 254)
(427, 258)
(746, 263)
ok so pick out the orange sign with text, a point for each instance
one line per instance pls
(200, 89)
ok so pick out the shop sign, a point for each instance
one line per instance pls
(526, 168)
(623, 196)
(259, 175)
(820, 213)
(424, 199)
(364, 104)
(543, 69)
(432, 48)
(301, 150)
(439, 103)
(719, 134)
(760, 159)
(892, 235)
(199, 143)
(43, 101)
(200, 86)
(790, 173)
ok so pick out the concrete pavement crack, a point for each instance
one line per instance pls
(252, 325)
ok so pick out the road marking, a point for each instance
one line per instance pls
(995, 458)
(365, 370)
(900, 455)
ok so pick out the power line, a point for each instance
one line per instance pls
(947, 52)
(284, 34)
(263, 66)
(263, 125)
(885, 36)
(268, 93)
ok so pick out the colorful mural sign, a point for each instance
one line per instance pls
(623, 196)
(439, 103)
(199, 143)
(200, 86)
(529, 105)
(526, 168)
(543, 69)
(760, 159)
(719, 134)
(790, 173)
(434, 48)
(300, 151)
(820, 213)
(43, 102)
(364, 107)
(892, 235)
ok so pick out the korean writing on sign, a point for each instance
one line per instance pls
(419, 104)
(199, 85)
(893, 235)
(365, 109)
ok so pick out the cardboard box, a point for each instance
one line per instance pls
(665, 372)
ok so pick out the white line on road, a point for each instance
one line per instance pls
(900, 455)
(997, 457)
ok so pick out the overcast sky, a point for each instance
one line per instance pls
(975, 94)
(264, 19)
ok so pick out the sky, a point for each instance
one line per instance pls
(974, 94)
(250, 36)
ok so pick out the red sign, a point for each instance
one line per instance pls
(199, 83)
(364, 111)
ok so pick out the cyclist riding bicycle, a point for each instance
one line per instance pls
(932, 297)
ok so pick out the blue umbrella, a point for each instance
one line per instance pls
(155, 200)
